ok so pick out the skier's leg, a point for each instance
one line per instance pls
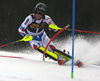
(34, 44)
(38, 45)
(45, 41)
(51, 48)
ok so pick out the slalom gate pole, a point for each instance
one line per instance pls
(73, 24)
(52, 39)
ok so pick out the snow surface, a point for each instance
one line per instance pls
(32, 68)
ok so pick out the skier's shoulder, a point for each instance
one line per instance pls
(30, 16)
(47, 17)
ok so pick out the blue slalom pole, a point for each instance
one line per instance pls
(73, 24)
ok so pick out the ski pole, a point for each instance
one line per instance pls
(26, 38)
(56, 27)
(9, 44)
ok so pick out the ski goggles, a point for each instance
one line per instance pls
(40, 12)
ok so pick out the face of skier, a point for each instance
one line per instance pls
(39, 14)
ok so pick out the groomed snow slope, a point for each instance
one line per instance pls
(30, 67)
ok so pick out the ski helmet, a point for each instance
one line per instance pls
(41, 7)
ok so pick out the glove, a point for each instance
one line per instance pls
(54, 30)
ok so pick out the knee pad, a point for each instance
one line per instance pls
(35, 47)
(52, 47)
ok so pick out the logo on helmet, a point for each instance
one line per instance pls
(42, 8)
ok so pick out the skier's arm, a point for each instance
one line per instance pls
(24, 25)
(50, 21)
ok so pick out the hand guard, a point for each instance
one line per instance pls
(27, 37)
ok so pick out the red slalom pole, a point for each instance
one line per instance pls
(11, 57)
(84, 31)
(87, 31)
(52, 39)
(3, 45)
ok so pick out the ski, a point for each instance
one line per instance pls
(63, 54)
(67, 57)
(59, 56)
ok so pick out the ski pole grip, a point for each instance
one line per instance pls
(67, 25)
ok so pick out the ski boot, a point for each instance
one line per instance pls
(61, 60)
(79, 63)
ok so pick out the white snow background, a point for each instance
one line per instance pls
(32, 68)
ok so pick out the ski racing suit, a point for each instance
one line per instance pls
(40, 39)
(36, 29)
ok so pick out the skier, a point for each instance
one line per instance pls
(34, 25)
